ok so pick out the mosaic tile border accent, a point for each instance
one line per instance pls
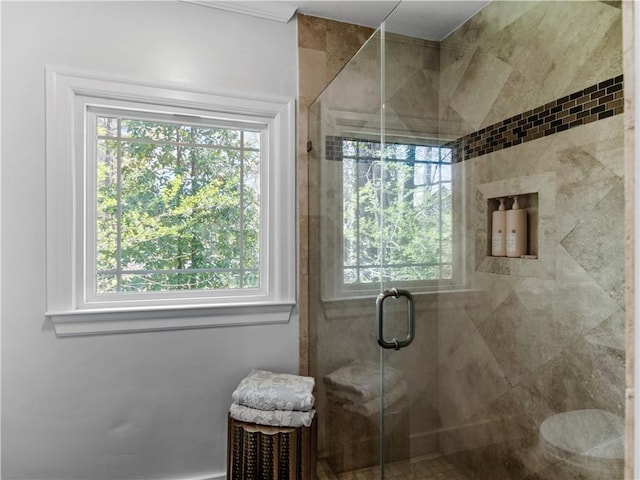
(333, 148)
(597, 102)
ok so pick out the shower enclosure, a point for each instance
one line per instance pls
(434, 358)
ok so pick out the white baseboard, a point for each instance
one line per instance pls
(209, 476)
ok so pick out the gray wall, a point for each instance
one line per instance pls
(148, 405)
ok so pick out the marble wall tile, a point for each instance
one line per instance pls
(312, 33)
(505, 432)
(580, 301)
(629, 54)
(600, 235)
(322, 46)
(468, 380)
(553, 339)
(413, 108)
(597, 361)
(485, 300)
(411, 87)
(546, 51)
(484, 79)
(341, 40)
(536, 329)
(455, 327)
(311, 60)
(576, 199)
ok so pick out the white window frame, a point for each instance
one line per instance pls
(75, 310)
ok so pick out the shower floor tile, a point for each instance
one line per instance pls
(429, 467)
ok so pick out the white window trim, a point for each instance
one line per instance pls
(67, 94)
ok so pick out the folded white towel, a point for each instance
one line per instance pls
(361, 379)
(273, 418)
(371, 407)
(265, 390)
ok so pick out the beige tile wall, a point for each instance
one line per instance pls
(516, 55)
(503, 350)
(630, 186)
(324, 47)
(549, 336)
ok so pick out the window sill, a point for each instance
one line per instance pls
(130, 320)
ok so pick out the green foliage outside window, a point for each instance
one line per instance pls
(177, 208)
(397, 213)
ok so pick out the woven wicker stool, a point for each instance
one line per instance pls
(259, 452)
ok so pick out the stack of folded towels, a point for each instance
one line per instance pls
(357, 387)
(275, 399)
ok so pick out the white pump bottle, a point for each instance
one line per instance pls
(498, 231)
(516, 230)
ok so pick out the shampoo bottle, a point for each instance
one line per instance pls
(516, 230)
(498, 231)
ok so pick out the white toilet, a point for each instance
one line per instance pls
(590, 441)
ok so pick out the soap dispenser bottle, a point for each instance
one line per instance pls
(516, 230)
(498, 231)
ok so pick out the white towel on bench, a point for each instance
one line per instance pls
(264, 390)
(274, 418)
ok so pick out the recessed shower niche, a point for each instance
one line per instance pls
(504, 215)
(536, 196)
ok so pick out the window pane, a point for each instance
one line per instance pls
(350, 212)
(107, 282)
(166, 207)
(446, 154)
(148, 130)
(251, 279)
(447, 272)
(107, 127)
(165, 282)
(210, 136)
(350, 276)
(251, 213)
(150, 187)
(396, 212)
(107, 204)
(252, 140)
(349, 148)
(370, 275)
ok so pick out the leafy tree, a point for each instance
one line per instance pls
(397, 213)
(177, 206)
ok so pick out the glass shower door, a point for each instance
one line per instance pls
(344, 276)
(380, 237)
(416, 205)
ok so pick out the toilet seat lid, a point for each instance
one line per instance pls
(593, 433)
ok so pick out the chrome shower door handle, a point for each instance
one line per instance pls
(394, 343)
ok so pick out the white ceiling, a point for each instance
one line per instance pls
(430, 19)
(367, 13)
(433, 19)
